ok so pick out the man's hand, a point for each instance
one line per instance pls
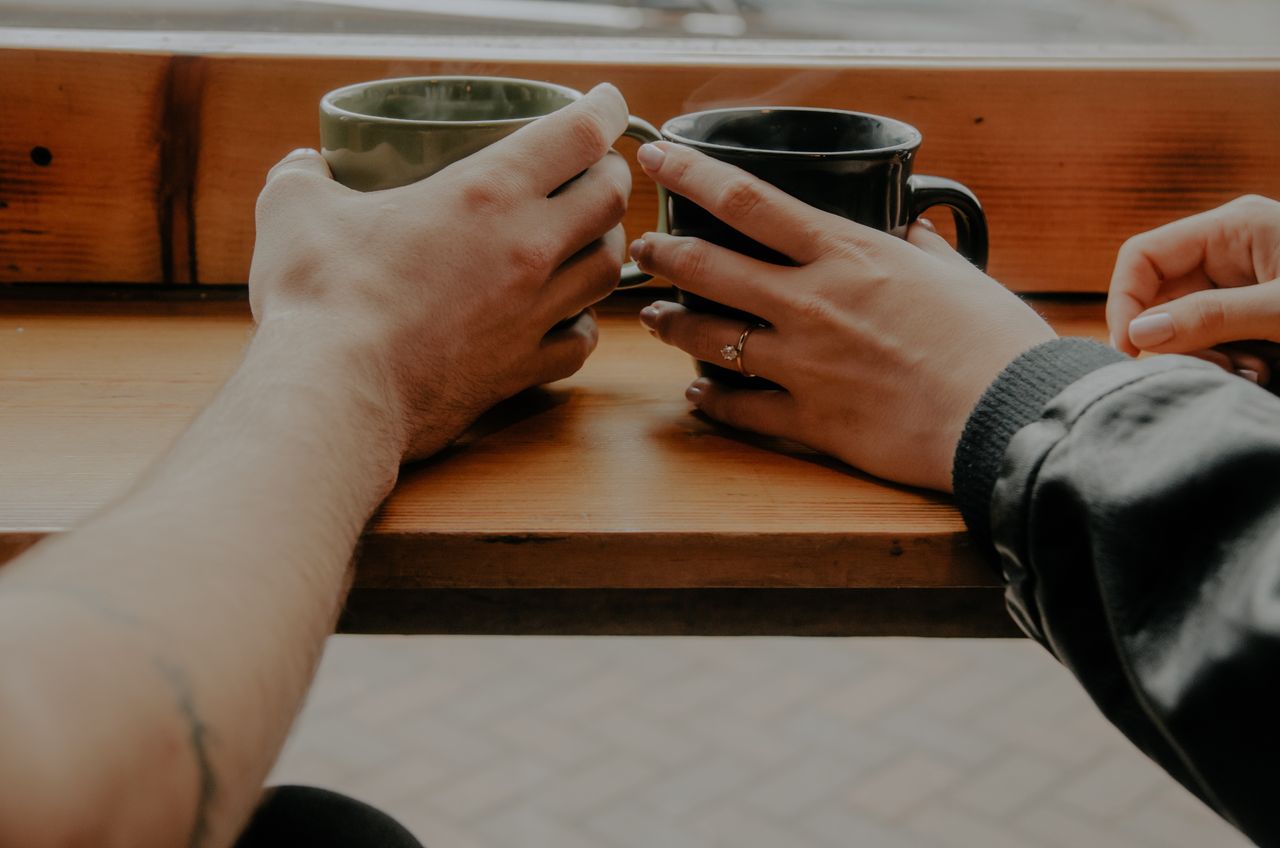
(1203, 285)
(155, 657)
(883, 346)
(449, 288)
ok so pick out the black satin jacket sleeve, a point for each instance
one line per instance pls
(1134, 508)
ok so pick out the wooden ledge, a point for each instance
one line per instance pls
(1071, 149)
(598, 504)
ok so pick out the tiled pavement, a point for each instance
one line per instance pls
(750, 743)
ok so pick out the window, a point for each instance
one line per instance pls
(1166, 22)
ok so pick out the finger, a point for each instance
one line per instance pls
(1209, 318)
(1122, 308)
(922, 234)
(589, 207)
(1208, 250)
(1138, 283)
(292, 182)
(588, 277)
(1215, 357)
(303, 161)
(708, 270)
(549, 152)
(770, 413)
(745, 202)
(1267, 353)
(565, 349)
(1248, 364)
(707, 337)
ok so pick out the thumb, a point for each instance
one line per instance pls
(1205, 319)
(304, 160)
(924, 236)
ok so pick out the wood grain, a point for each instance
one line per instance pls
(598, 505)
(82, 195)
(602, 481)
(158, 154)
(1067, 161)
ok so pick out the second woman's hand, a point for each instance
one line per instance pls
(1207, 286)
(882, 346)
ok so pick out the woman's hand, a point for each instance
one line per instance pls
(443, 295)
(882, 346)
(1198, 285)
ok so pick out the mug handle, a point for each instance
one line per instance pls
(971, 221)
(643, 131)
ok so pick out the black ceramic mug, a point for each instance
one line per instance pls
(852, 164)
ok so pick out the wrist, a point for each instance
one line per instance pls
(339, 379)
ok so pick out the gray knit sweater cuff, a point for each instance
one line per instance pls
(1014, 400)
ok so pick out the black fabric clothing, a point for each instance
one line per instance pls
(1013, 401)
(306, 817)
(1134, 509)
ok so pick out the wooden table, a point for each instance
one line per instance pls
(597, 505)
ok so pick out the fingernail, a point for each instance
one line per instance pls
(605, 86)
(649, 317)
(650, 156)
(637, 249)
(693, 393)
(1151, 330)
(927, 224)
(1248, 373)
(301, 153)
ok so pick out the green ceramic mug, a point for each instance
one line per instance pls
(387, 133)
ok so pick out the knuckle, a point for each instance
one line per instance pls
(292, 180)
(664, 326)
(705, 340)
(1211, 316)
(740, 197)
(688, 260)
(587, 136)
(587, 338)
(813, 308)
(615, 201)
(284, 189)
(1134, 244)
(574, 351)
(861, 251)
(1132, 253)
(678, 164)
(620, 170)
(606, 269)
(824, 242)
(487, 195)
(1254, 203)
(612, 261)
(534, 259)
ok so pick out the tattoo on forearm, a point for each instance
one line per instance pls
(198, 731)
(199, 738)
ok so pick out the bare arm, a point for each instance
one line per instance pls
(154, 658)
(168, 641)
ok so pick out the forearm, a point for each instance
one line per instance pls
(1138, 525)
(191, 613)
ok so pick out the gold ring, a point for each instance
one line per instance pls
(736, 356)
(738, 350)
